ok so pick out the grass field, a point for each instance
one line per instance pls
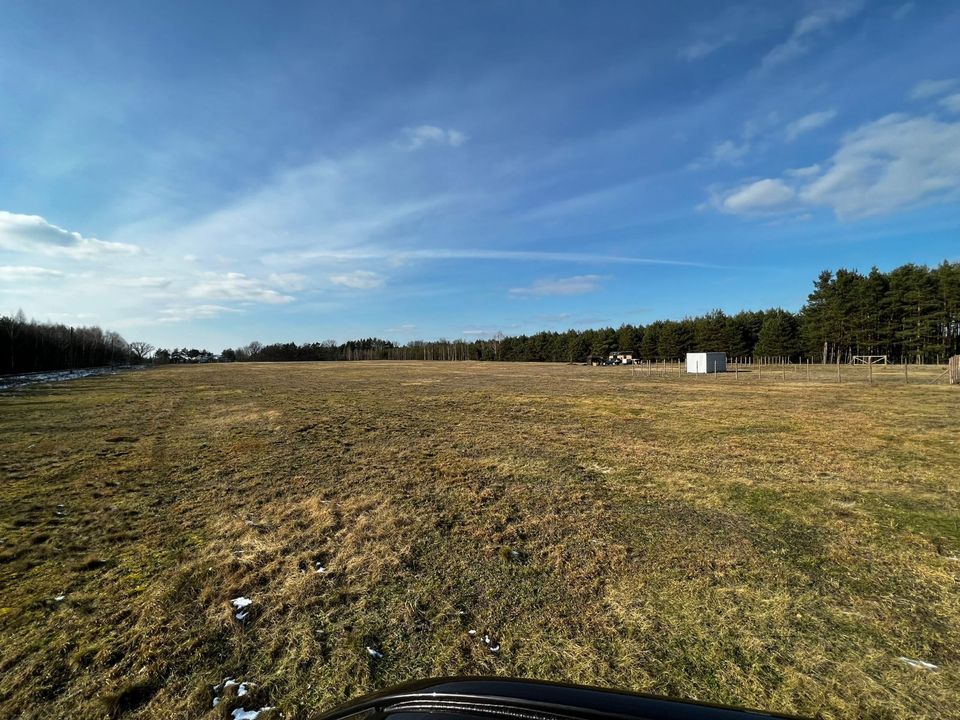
(778, 545)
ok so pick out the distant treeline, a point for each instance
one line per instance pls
(911, 313)
(28, 346)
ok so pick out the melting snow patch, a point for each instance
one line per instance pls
(917, 664)
(218, 690)
(319, 568)
(241, 602)
(472, 633)
(491, 644)
(374, 653)
(60, 598)
(241, 616)
(244, 714)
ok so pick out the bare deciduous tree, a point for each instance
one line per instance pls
(141, 350)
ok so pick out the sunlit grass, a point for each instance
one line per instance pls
(770, 544)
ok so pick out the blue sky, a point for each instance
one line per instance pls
(213, 173)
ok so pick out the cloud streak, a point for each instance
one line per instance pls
(808, 28)
(807, 123)
(576, 285)
(34, 234)
(893, 163)
(426, 135)
(236, 286)
(359, 280)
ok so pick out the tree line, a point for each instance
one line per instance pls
(911, 313)
(29, 346)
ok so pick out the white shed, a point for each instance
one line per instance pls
(706, 362)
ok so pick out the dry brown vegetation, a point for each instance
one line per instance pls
(777, 545)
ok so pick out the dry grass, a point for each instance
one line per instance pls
(775, 545)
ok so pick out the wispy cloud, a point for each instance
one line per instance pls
(699, 49)
(186, 313)
(424, 135)
(236, 286)
(144, 281)
(951, 103)
(359, 280)
(729, 152)
(813, 121)
(926, 89)
(887, 165)
(33, 234)
(10, 273)
(808, 28)
(760, 197)
(576, 285)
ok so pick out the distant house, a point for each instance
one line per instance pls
(620, 357)
(706, 362)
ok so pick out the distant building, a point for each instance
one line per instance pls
(621, 357)
(706, 362)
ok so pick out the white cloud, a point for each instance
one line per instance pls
(951, 102)
(926, 89)
(11, 273)
(729, 152)
(889, 164)
(291, 282)
(701, 48)
(809, 122)
(186, 313)
(423, 135)
(576, 285)
(236, 286)
(808, 27)
(803, 171)
(33, 234)
(359, 279)
(760, 197)
(145, 282)
(893, 163)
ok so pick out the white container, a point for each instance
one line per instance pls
(706, 362)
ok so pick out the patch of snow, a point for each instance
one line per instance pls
(241, 602)
(244, 689)
(320, 568)
(241, 616)
(917, 664)
(60, 598)
(376, 655)
(495, 648)
(472, 633)
(244, 714)
(11, 382)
